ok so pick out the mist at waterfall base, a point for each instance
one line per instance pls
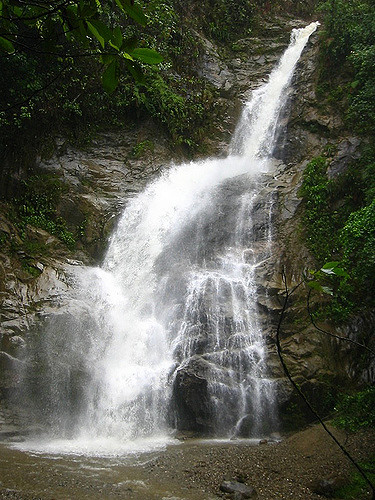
(173, 308)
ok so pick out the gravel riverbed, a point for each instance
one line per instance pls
(192, 470)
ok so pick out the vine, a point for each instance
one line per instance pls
(288, 294)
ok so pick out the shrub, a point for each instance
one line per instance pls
(339, 224)
(358, 242)
(317, 216)
(37, 205)
(356, 411)
(349, 54)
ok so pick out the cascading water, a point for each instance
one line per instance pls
(166, 332)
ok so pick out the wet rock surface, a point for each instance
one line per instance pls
(103, 176)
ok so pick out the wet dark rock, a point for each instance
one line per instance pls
(238, 490)
(8, 362)
(12, 344)
(348, 150)
(8, 431)
(327, 487)
(244, 427)
(10, 368)
(100, 178)
(352, 359)
(185, 435)
(190, 397)
(213, 68)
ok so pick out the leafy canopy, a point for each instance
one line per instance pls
(349, 50)
(84, 28)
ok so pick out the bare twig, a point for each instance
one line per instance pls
(333, 334)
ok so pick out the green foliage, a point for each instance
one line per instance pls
(356, 411)
(62, 28)
(357, 487)
(36, 205)
(362, 103)
(3, 238)
(358, 241)
(66, 87)
(367, 166)
(172, 34)
(317, 218)
(141, 147)
(228, 20)
(27, 266)
(339, 222)
(349, 55)
(33, 248)
(329, 270)
(183, 113)
(81, 228)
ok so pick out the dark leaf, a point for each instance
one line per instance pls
(330, 265)
(333, 269)
(100, 31)
(6, 45)
(133, 10)
(96, 33)
(110, 78)
(116, 38)
(148, 56)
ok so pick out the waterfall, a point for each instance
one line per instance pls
(166, 332)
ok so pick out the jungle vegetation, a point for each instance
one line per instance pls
(339, 216)
(87, 64)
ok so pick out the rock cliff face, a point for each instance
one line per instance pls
(310, 355)
(104, 175)
(320, 364)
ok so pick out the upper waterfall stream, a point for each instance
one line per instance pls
(166, 333)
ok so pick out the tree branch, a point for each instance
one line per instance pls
(333, 334)
(39, 16)
(18, 104)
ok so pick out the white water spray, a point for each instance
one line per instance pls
(176, 299)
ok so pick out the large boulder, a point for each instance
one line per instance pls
(191, 409)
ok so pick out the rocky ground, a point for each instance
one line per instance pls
(302, 466)
(295, 468)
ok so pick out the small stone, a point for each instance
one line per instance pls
(240, 490)
(326, 486)
(39, 266)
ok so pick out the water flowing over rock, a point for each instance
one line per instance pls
(171, 331)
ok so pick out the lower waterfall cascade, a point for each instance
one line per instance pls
(166, 333)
